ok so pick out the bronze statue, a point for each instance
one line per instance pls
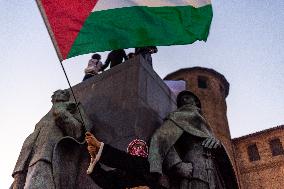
(185, 150)
(35, 167)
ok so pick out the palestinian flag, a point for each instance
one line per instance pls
(83, 26)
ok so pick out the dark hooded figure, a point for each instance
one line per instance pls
(131, 168)
(146, 53)
(186, 151)
(115, 58)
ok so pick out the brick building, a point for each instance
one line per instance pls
(258, 158)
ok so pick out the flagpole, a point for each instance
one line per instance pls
(59, 55)
(71, 88)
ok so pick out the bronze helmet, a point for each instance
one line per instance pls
(186, 92)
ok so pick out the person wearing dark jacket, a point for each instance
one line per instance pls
(115, 58)
(146, 53)
(132, 168)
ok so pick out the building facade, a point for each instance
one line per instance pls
(258, 158)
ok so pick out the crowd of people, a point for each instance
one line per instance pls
(116, 57)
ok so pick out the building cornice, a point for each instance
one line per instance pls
(258, 133)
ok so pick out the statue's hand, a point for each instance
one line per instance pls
(211, 143)
(184, 169)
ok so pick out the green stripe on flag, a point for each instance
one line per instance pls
(142, 26)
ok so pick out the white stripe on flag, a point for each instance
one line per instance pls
(113, 4)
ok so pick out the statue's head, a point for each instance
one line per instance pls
(60, 96)
(187, 97)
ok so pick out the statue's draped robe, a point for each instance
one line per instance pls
(54, 157)
(38, 149)
(186, 120)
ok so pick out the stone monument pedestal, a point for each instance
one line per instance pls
(126, 102)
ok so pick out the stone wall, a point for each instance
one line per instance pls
(268, 171)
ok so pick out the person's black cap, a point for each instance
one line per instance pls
(96, 56)
(186, 92)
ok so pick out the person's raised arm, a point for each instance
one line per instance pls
(125, 56)
(122, 159)
(105, 65)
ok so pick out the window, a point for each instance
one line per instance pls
(276, 147)
(253, 152)
(202, 82)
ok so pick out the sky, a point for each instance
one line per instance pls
(245, 44)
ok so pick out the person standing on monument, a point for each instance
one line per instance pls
(115, 58)
(130, 55)
(94, 66)
(132, 168)
(185, 150)
(146, 52)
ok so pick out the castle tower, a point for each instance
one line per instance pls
(212, 88)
